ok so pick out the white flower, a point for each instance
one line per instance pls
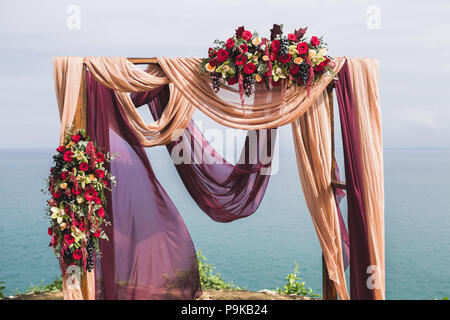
(256, 40)
(323, 51)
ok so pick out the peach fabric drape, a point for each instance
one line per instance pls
(364, 75)
(67, 72)
(312, 139)
(189, 90)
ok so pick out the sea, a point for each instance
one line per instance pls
(259, 251)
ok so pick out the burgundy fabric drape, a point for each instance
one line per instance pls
(150, 254)
(357, 224)
(225, 192)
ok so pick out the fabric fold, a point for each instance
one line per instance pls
(312, 140)
(357, 224)
(150, 254)
(225, 192)
(364, 76)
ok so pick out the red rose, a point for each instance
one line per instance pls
(249, 68)
(54, 240)
(292, 37)
(69, 239)
(77, 255)
(68, 156)
(101, 212)
(230, 44)
(315, 41)
(232, 81)
(98, 200)
(326, 62)
(273, 55)
(244, 48)
(97, 233)
(302, 48)
(319, 67)
(213, 62)
(76, 191)
(90, 194)
(57, 194)
(64, 175)
(50, 231)
(99, 157)
(285, 58)
(294, 69)
(275, 45)
(61, 149)
(82, 227)
(76, 138)
(246, 35)
(100, 173)
(84, 166)
(222, 55)
(211, 52)
(105, 183)
(240, 60)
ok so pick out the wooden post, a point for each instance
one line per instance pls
(328, 288)
(80, 119)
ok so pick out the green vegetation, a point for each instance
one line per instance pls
(210, 278)
(2, 289)
(295, 285)
(54, 286)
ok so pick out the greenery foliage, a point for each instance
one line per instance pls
(295, 285)
(209, 277)
(54, 286)
(2, 288)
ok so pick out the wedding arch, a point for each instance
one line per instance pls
(149, 254)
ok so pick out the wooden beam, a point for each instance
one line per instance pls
(328, 288)
(143, 60)
(80, 119)
(338, 184)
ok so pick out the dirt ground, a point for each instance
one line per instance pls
(207, 295)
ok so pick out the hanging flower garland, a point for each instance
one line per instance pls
(76, 208)
(284, 60)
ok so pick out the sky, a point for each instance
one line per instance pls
(409, 38)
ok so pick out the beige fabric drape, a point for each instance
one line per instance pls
(312, 139)
(73, 289)
(364, 75)
(67, 72)
(184, 73)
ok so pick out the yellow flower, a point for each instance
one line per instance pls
(63, 185)
(80, 199)
(70, 145)
(92, 177)
(226, 68)
(265, 58)
(258, 78)
(292, 51)
(298, 60)
(311, 53)
(256, 41)
(210, 68)
(63, 225)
